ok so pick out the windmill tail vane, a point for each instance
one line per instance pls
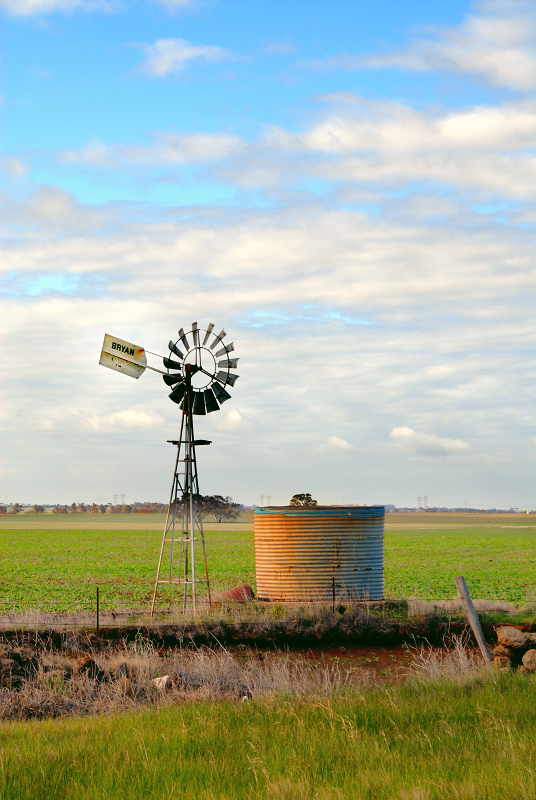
(198, 368)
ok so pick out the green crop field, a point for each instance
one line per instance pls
(56, 569)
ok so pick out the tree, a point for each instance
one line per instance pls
(15, 508)
(3, 509)
(60, 510)
(302, 500)
(38, 509)
(223, 509)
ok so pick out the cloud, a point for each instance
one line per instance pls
(131, 419)
(49, 208)
(423, 444)
(390, 126)
(14, 167)
(335, 446)
(167, 56)
(235, 421)
(484, 151)
(27, 8)
(498, 47)
(167, 148)
(487, 150)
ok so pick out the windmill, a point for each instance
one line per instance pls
(198, 368)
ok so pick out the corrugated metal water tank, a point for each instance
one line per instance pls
(299, 550)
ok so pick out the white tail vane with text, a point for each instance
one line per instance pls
(123, 356)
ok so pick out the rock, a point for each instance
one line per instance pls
(240, 594)
(531, 637)
(502, 663)
(187, 681)
(512, 637)
(163, 683)
(122, 671)
(529, 660)
(501, 650)
(523, 670)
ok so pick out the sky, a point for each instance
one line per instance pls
(348, 189)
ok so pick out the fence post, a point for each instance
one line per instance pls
(472, 617)
(97, 610)
(333, 587)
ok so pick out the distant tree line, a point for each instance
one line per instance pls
(223, 509)
(94, 508)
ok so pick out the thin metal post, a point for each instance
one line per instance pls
(333, 588)
(97, 610)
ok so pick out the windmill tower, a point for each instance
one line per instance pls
(198, 369)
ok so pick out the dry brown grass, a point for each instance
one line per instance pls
(62, 684)
(456, 662)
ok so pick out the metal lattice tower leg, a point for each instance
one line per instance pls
(183, 509)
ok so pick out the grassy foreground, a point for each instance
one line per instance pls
(471, 740)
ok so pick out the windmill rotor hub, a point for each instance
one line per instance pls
(204, 360)
(199, 368)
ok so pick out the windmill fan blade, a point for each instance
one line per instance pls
(183, 338)
(226, 349)
(232, 363)
(219, 337)
(209, 331)
(227, 377)
(210, 401)
(195, 334)
(232, 379)
(169, 364)
(199, 403)
(178, 393)
(171, 379)
(220, 393)
(175, 349)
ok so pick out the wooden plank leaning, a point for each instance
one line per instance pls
(472, 617)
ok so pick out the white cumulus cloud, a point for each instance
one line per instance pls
(334, 445)
(172, 55)
(167, 148)
(498, 47)
(425, 444)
